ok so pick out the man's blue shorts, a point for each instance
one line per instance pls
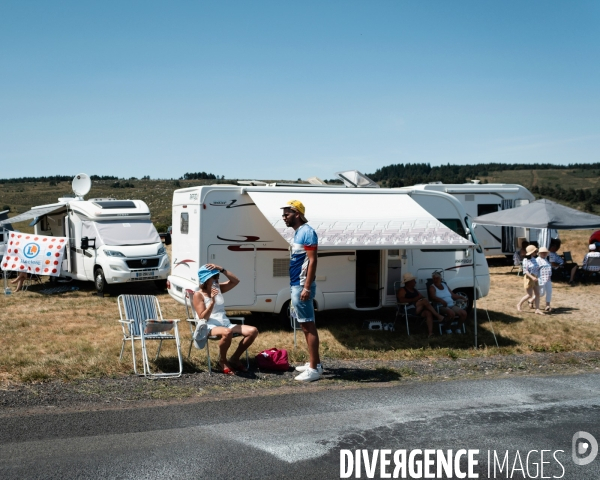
(304, 310)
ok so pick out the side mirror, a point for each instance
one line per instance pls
(88, 243)
(165, 238)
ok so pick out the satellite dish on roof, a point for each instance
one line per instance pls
(81, 184)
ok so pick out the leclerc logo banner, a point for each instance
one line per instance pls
(37, 254)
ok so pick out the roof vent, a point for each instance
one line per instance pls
(355, 179)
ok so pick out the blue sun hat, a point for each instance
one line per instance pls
(205, 273)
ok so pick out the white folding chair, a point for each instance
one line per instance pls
(141, 319)
(192, 319)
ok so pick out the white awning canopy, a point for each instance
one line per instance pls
(365, 220)
(33, 213)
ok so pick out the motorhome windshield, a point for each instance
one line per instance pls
(455, 225)
(120, 232)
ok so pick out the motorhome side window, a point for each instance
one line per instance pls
(485, 208)
(185, 222)
(455, 225)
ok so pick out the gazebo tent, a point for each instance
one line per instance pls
(542, 214)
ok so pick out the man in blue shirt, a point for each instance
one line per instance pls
(303, 270)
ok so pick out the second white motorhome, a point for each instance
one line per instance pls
(480, 199)
(110, 241)
(367, 239)
(4, 229)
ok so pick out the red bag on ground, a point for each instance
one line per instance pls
(273, 359)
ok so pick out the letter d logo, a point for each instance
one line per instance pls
(583, 448)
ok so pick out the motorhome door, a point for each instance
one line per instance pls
(71, 247)
(368, 268)
(241, 260)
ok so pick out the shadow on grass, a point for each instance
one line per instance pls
(347, 329)
(171, 364)
(501, 317)
(499, 261)
(564, 311)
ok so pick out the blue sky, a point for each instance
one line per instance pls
(286, 90)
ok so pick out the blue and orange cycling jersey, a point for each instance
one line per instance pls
(305, 238)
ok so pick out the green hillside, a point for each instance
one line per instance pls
(158, 194)
(577, 187)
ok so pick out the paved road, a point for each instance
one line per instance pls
(301, 435)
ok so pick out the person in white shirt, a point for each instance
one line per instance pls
(593, 253)
(440, 293)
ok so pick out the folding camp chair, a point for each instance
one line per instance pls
(141, 319)
(31, 280)
(193, 320)
(406, 310)
(591, 271)
(567, 257)
(517, 263)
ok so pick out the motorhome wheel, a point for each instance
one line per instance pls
(100, 281)
(284, 316)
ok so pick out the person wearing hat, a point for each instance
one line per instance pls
(545, 278)
(209, 306)
(303, 272)
(409, 294)
(531, 272)
(594, 252)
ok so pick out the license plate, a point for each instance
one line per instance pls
(144, 274)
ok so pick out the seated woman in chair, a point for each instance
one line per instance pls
(441, 293)
(209, 306)
(409, 294)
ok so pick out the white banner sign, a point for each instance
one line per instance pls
(39, 254)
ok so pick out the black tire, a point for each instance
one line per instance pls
(284, 316)
(467, 292)
(100, 281)
(161, 285)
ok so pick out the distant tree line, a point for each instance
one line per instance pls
(401, 175)
(53, 178)
(125, 184)
(571, 195)
(198, 176)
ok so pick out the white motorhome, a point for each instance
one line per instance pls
(480, 199)
(4, 229)
(367, 239)
(110, 241)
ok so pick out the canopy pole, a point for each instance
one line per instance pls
(474, 296)
(7, 291)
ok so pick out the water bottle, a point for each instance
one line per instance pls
(219, 300)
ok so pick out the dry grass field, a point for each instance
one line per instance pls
(76, 335)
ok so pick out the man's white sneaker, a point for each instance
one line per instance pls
(303, 368)
(308, 375)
